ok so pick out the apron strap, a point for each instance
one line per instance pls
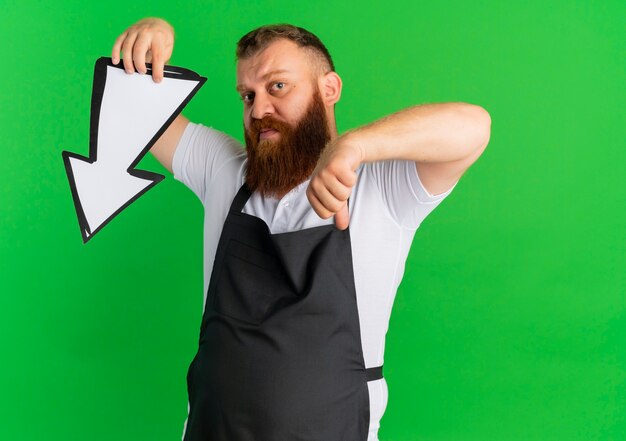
(244, 194)
(241, 198)
(374, 373)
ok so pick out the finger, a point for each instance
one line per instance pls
(332, 202)
(342, 218)
(140, 48)
(117, 47)
(336, 188)
(158, 63)
(347, 178)
(317, 205)
(326, 198)
(127, 52)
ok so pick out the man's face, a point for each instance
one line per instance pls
(285, 121)
(277, 81)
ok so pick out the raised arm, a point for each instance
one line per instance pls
(151, 40)
(443, 139)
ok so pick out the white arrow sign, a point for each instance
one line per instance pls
(128, 115)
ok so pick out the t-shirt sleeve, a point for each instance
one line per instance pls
(200, 153)
(403, 193)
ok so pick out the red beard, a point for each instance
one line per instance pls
(275, 167)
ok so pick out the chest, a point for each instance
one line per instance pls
(293, 212)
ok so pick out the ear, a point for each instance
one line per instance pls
(330, 88)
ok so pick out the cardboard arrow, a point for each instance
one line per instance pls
(128, 115)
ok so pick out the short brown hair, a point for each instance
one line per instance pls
(261, 37)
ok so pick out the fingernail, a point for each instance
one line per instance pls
(115, 60)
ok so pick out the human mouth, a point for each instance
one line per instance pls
(267, 133)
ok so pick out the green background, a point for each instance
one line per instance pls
(510, 323)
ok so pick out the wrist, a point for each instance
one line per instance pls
(353, 143)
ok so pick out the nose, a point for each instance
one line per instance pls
(261, 106)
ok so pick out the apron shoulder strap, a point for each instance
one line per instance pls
(241, 198)
(244, 194)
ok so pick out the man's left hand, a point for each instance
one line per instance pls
(333, 179)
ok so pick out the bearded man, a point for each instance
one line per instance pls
(306, 236)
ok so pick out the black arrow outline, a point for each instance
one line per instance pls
(100, 74)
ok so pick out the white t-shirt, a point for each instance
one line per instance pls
(386, 207)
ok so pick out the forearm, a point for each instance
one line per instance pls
(442, 132)
(163, 150)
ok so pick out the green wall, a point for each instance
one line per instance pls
(511, 320)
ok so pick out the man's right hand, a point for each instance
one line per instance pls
(151, 40)
(148, 40)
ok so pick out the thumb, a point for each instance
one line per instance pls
(342, 218)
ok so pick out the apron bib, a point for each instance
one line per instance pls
(280, 355)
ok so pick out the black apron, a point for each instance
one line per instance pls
(280, 355)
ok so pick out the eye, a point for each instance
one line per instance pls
(247, 97)
(279, 85)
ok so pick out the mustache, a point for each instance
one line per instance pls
(267, 122)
